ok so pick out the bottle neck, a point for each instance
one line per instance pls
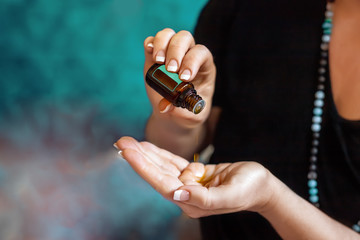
(193, 102)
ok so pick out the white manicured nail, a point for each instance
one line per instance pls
(185, 75)
(166, 109)
(150, 45)
(160, 59)
(172, 66)
(181, 195)
(120, 154)
(199, 174)
(115, 146)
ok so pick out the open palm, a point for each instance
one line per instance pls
(211, 189)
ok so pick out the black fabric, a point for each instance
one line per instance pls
(267, 55)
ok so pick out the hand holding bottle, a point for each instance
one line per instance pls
(193, 63)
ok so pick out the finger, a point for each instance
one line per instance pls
(163, 183)
(148, 51)
(179, 44)
(161, 42)
(212, 198)
(165, 106)
(180, 162)
(197, 57)
(193, 172)
(153, 155)
(149, 45)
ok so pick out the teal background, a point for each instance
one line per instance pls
(71, 83)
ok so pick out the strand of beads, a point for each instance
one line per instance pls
(318, 108)
(356, 227)
(318, 111)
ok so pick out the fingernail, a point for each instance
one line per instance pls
(181, 195)
(172, 66)
(199, 174)
(160, 57)
(120, 154)
(165, 109)
(185, 75)
(150, 45)
(115, 146)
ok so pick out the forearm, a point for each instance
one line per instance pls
(179, 139)
(295, 218)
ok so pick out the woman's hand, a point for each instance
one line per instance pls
(200, 190)
(203, 190)
(225, 188)
(193, 63)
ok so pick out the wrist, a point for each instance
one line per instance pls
(276, 190)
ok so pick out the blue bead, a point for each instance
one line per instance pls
(327, 31)
(314, 198)
(326, 38)
(317, 111)
(312, 183)
(313, 191)
(315, 127)
(356, 228)
(317, 119)
(320, 94)
(318, 103)
(326, 25)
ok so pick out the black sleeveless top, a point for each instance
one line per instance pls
(267, 55)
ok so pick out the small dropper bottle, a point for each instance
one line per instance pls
(179, 93)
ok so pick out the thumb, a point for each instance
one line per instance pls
(200, 196)
(165, 106)
(148, 52)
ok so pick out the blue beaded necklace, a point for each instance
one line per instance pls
(318, 111)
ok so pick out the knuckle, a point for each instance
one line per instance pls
(202, 48)
(176, 45)
(147, 39)
(186, 34)
(168, 30)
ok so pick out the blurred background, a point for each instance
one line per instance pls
(71, 84)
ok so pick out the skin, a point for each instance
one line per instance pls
(224, 188)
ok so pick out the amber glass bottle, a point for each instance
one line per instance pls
(179, 93)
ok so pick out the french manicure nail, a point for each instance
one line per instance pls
(160, 56)
(160, 59)
(120, 154)
(185, 75)
(199, 174)
(166, 109)
(181, 195)
(172, 66)
(150, 45)
(115, 146)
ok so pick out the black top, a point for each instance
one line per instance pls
(267, 55)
